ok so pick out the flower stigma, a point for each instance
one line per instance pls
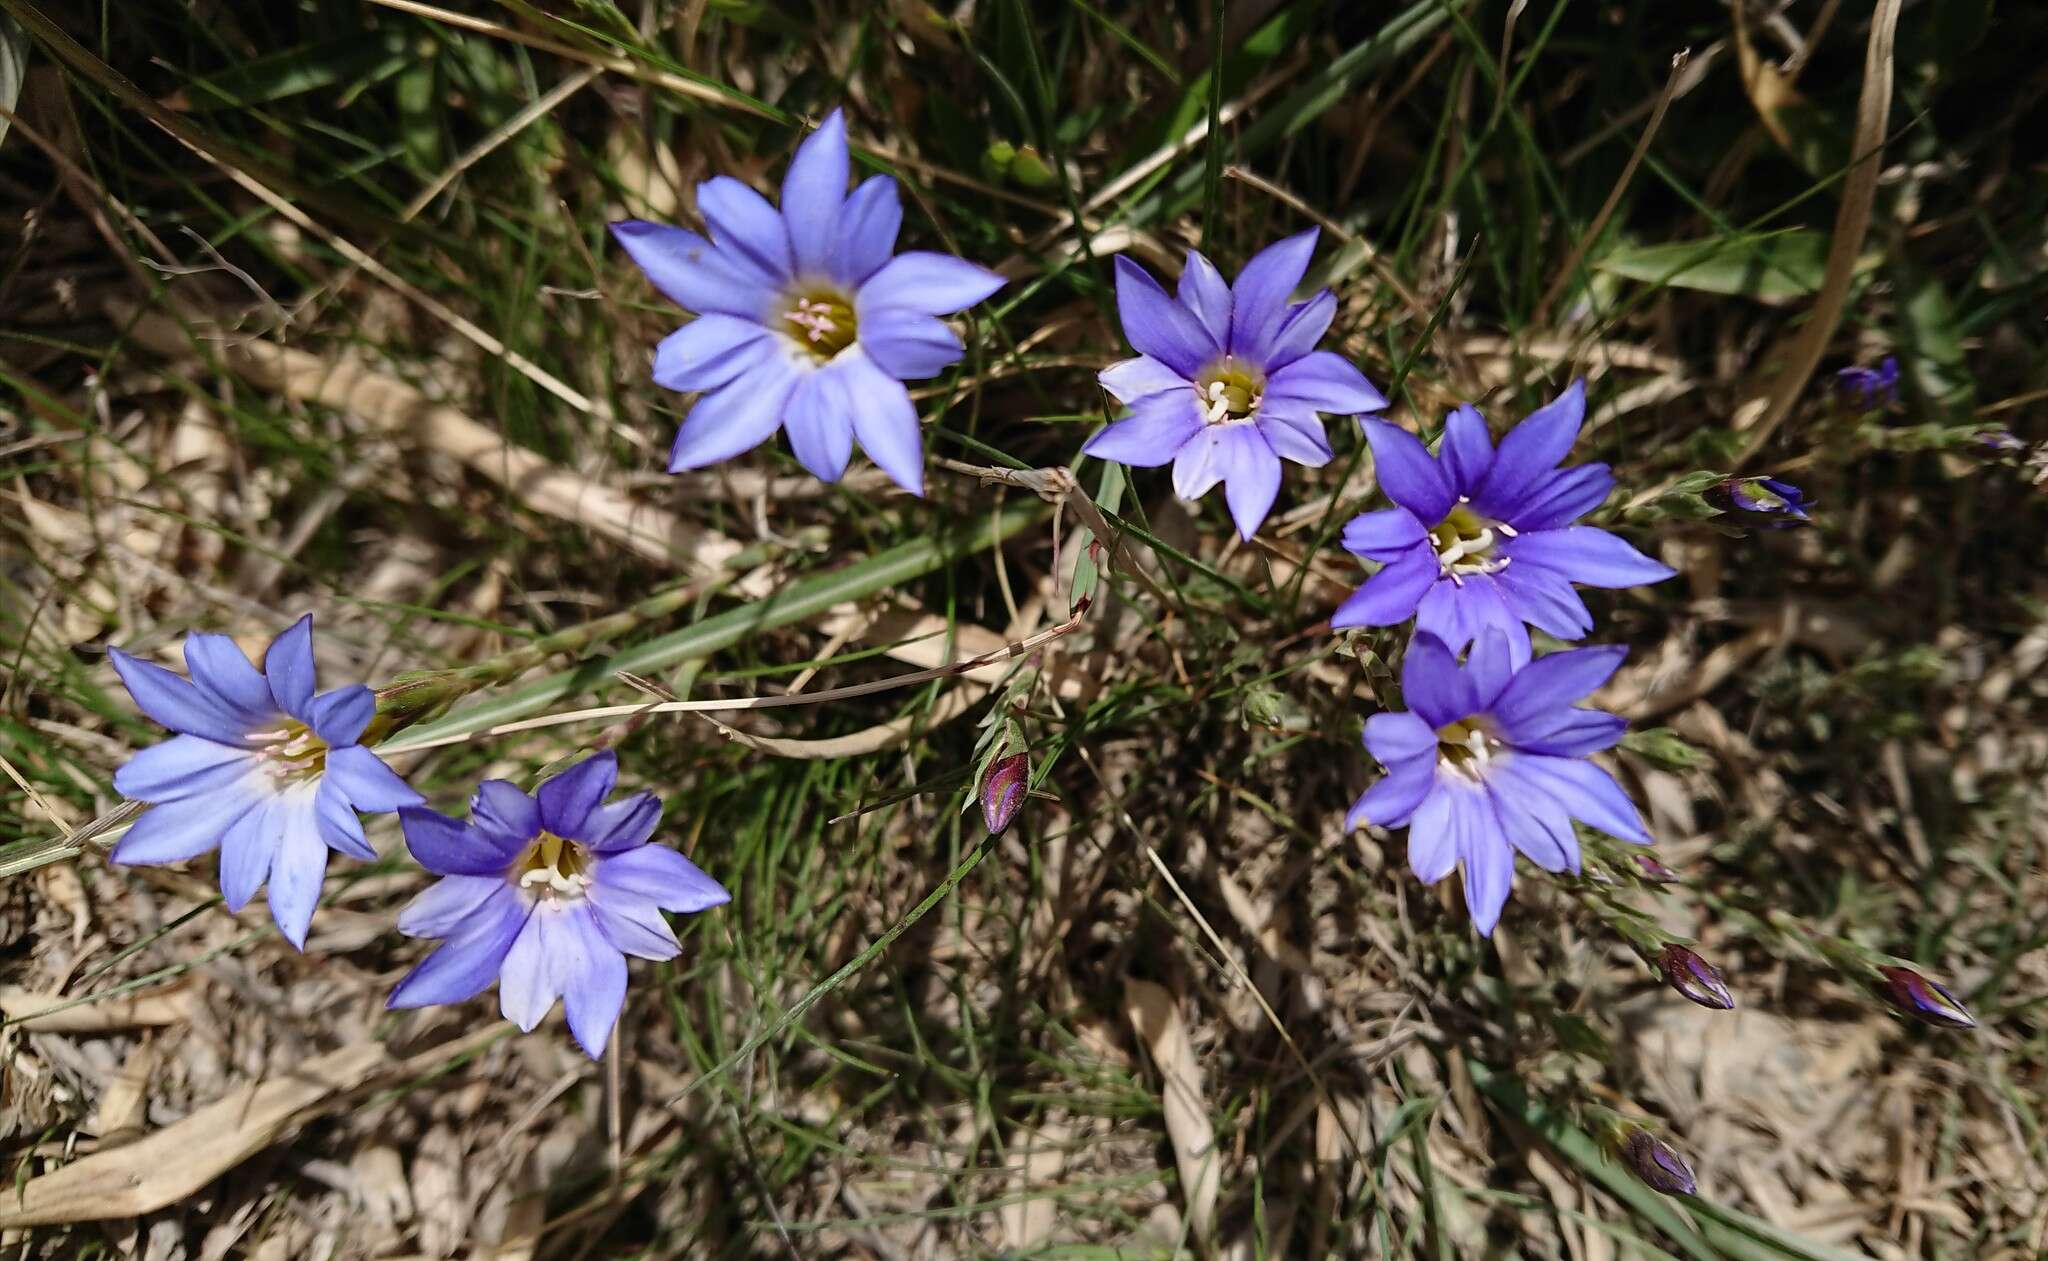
(553, 864)
(1230, 390)
(821, 322)
(1466, 746)
(291, 751)
(1464, 543)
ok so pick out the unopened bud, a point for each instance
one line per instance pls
(1865, 389)
(1694, 978)
(1002, 791)
(1654, 870)
(1764, 502)
(1657, 1165)
(1924, 1000)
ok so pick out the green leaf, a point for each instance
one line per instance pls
(305, 68)
(1770, 269)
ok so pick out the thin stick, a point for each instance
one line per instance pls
(1005, 653)
(1628, 175)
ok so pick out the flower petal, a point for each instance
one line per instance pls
(182, 766)
(1259, 299)
(1544, 599)
(1157, 326)
(1410, 478)
(1157, 428)
(1327, 382)
(174, 702)
(1587, 556)
(1459, 613)
(658, 874)
(1535, 824)
(218, 666)
(466, 964)
(735, 418)
(928, 283)
(507, 817)
(296, 874)
(1203, 292)
(1432, 845)
(339, 716)
(1434, 685)
(1586, 792)
(908, 345)
(1467, 450)
(1390, 596)
(816, 421)
(182, 829)
(446, 907)
(525, 985)
(1560, 499)
(1489, 863)
(340, 829)
(1392, 800)
(1568, 732)
(450, 847)
(1251, 476)
(1384, 535)
(1530, 450)
(566, 800)
(744, 224)
(813, 193)
(1196, 467)
(1490, 665)
(885, 422)
(1129, 380)
(867, 231)
(1399, 737)
(1299, 437)
(694, 273)
(289, 668)
(372, 787)
(591, 974)
(709, 352)
(634, 926)
(1303, 327)
(247, 849)
(1556, 681)
(623, 824)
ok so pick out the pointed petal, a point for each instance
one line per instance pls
(710, 351)
(289, 667)
(1299, 437)
(623, 824)
(1392, 801)
(1196, 467)
(591, 974)
(1544, 599)
(1432, 846)
(247, 849)
(1557, 500)
(1532, 449)
(181, 829)
(1157, 326)
(1251, 476)
(1410, 478)
(734, 419)
(927, 283)
(1489, 863)
(1434, 685)
(450, 847)
(371, 786)
(525, 987)
(339, 827)
(1568, 732)
(885, 423)
(908, 345)
(1303, 327)
(1384, 535)
(175, 702)
(1399, 737)
(1327, 382)
(1556, 681)
(339, 716)
(813, 193)
(867, 231)
(744, 224)
(1467, 450)
(1260, 298)
(446, 907)
(693, 273)
(1459, 614)
(817, 423)
(1157, 428)
(1129, 380)
(508, 817)
(1587, 556)
(566, 800)
(1390, 596)
(1535, 824)
(295, 878)
(634, 926)
(1587, 793)
(658, 874)
(182, 766)
(465, 965)
(1203, 292)
(218, 666)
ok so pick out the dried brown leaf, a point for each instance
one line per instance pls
(1154, 1012)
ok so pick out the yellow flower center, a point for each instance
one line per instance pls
(821, 321)
(1465, 543)
(1466, 745)
(291, 751)
(553, 866)
(1230, 391)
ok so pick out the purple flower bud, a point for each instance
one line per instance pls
(1660, 1168)
(1654, 870)
(1866, 389)
(1924, 1000)
(1694, 978)
(1764, 502)
(2000, 442)
(1002, 791)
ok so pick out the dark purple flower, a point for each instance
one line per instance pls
(547, 895)
(1866, 389)
(1761, 501)
(1926, 1001)
(1656, 1164)
(1002, 791)
(1491, 759)
(1694, 978)
(1483, 537)
(263, 766)
(1228, 382)
(805, 323)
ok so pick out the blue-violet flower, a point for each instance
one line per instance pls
(262, 766)
(547, 895)
(804, 320)
(1482, 538)
(1227, 381)
(1491, 759)
(1866, 389)
(1765, 502)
